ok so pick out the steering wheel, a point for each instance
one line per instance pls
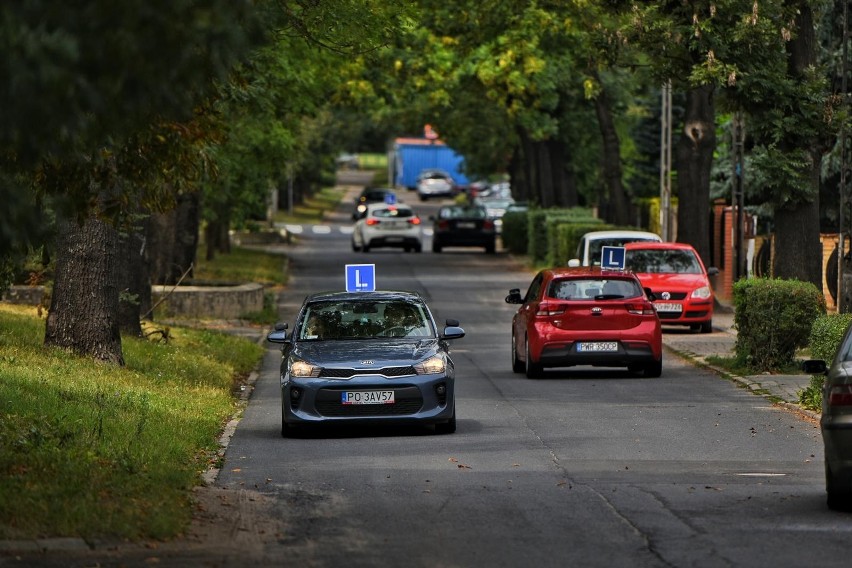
(390, 332)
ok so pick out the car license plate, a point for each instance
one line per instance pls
(465, 225)
(367, 397)
(597, 346)
(668, 307)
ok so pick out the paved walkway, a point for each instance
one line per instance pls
(697, 347)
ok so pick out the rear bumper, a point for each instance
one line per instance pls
(566, 355)
(462, 240)
(393, 241)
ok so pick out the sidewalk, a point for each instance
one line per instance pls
(697, 347)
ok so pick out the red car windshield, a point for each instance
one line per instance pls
(660, 261)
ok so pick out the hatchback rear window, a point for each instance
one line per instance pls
(393, 212)
(589, 288)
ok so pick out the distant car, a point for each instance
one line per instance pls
(590, 245)
(372, 195)
(366, 358)
(585, 316)
(836, 423)
(677, 277)
(348, 161)
(463, 225)
(434, 183)
(386, 225)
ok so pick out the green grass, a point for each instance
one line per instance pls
(242, 265)
(92, 450)
(313, 208)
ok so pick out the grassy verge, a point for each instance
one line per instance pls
(242, 265)
(92, 450)
(313, 208)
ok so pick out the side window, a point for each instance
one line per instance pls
(534, 290)
(580, 249)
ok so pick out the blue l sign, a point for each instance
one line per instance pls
(360, 277)
(612, 258)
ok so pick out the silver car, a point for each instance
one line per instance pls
(366, 358)
(836, 423)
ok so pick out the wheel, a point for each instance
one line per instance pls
(406, 248)
(447, 427)
(517, 364)
(489, 249)
(655, 369)
(436, 247)
(837, 497)
(707, 327)
(354, 246)
(533, 370)
(286, 430)
(418, 247)
(365, 248)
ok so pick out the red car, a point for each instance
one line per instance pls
(677, 277)
(585, 316)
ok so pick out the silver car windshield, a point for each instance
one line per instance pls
(364, 320)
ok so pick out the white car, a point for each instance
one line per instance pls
(434, 183)
(589, 248)
(388, 225)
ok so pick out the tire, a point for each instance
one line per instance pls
(365, 248)
(707, 327)
(286, 430)
(354, 246)
(418, 247)
(517, 365)
(489, 249)
(654, 370)
(448, 427)
(533, 370)
(406, 249)
(436, 247)
(837, 498)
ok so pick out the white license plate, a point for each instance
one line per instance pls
(367, 397)
(597, 346)
(668, 307)
(464, 225)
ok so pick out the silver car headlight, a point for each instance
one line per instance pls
(702, 293)
(300, 368)
(431, 366)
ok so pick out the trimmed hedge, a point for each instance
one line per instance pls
(514, 231)
(773, 319)
(539, 222)
(826, 334)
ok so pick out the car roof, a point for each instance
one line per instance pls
(619, 233)
(587, 272)
(659, 246)
(378, 295)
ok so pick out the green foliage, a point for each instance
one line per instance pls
(242, 265)
(514, 231)
(103, 452)
(541, 229)
(810, 397)
(773, 320)
(826, 334)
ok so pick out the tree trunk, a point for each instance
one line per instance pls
(84, 309)
(798, 252)
(694, 161)
(173, 240)
(617, 211)
(134, 280)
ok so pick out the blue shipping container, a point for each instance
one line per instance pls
(410, 158)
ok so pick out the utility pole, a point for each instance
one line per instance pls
(846, 148)
(738, 200)
(666, 163)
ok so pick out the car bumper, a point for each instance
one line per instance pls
(693, 312)
(393, 241)
(462, 240)
(563, 354)
(318, 401)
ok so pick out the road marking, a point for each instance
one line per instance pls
(321, 229)
(761, 474)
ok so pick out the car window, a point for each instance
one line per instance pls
(588, 288)
(533, 290)
(364, 320)
(659, 261)
(393, 212)
(462, 213)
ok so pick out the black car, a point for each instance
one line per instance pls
(367, 358)
(463, 225)
(372, 195)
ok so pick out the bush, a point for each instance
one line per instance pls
(514, 231)
(540, 229)
(773, 318)
(826, 334)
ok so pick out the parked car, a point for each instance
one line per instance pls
(836, 423)
(590, 245)
(676, 275)
(372, 195)
(434, 183)
(585, 316)
(385, 225)
(463, 225)
(366, 358)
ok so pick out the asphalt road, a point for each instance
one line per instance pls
(581, 468)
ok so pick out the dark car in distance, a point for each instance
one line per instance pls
(358, 358)
(372, 195)
(463, 226)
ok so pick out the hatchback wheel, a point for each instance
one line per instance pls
(533, 369)
(436, 247)
(354, 246)
(838, 491)
(707, 327)
(517, 364)
(447, 427)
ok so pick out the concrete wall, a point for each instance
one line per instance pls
(223, 302)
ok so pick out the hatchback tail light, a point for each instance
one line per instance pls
(372, 221)
(488, 224)
(643, 309)
(444, 225)
(414, 221)
(840, 395)
(547, 309)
